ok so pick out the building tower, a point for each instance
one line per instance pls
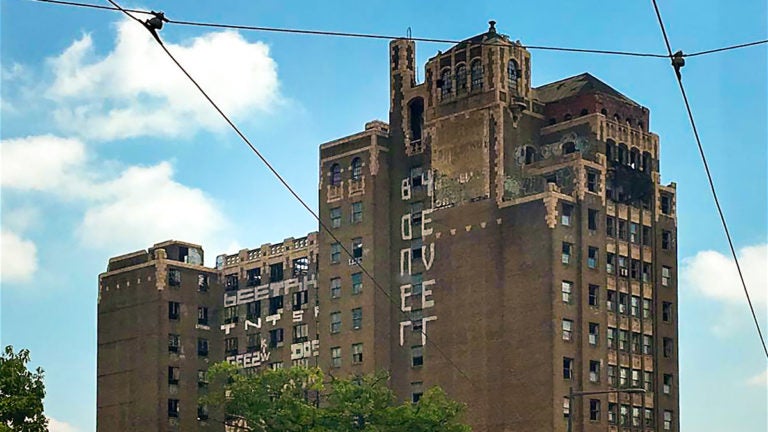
(522, 236)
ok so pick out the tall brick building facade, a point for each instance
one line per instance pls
(521, 243)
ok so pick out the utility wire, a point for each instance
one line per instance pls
(245, 139)
(728, 48)
(709, 176)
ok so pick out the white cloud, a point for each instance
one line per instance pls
(21, 219)
(43, 162)
(136, 90)
(18, 257)
(59, 426)
(145, 205)
(759, 380)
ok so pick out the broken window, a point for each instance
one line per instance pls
(649, 423)
(530, 155)
(636, 342)
(648, 381)
(667, 386)
(623, 302)
(174, 277)
(633, 231)
(300, 333)
(174, 342)
(357, 169)
(476, 72)
(566, 255)
(357, 247)
(416, 209)
(647, 344)
(594, 409)
(594, 371)
(335, 322)
(610, 226)
(202, 315)
(357, 318)
(300, 299)
(666, 204)
(416, 284)
(666, 275)
(416, 107)
(174, 310)
(592, 216)
(666, 240)
(335, 174)
(173, 408)
(276, 272)
(202, 347)
(253, 309)
(567, 330)
(623, 271)
(416, 250)
(202, 412)
(565, 219)
(275, 305)
(592, 181)
(666, 311)
(230, 346)
(253, 277)
(417, 177)
(592, 253)
(230, 314)
(612, 375)
(634, 269)
(335, 253)
(646, 235)
(594, 295)
(300, 266)
(417, 355)
(461, 78)
(622, 229)
(567, 289)
(567, 368)
(357, 212)
(357, 353)
(610, 302)
(669, 347)
(231, 281)
(417, 320)
(446, 83)
(335, 217)
(610, 262)
(357, 283)
(569, 147)
(647, 272)
(276, 338)
(594, 333)
(202, 282)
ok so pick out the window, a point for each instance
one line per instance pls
(567, 368)
(357, 247)
(647, 344)
(357, 168)
(612, 336)
(202, 347)
(275, 305)
(512, 75)
(567, 329)
(174, 277)
(173, 310)
(635, 378)
(417, 320)
(230, 346)
(666, 311)
(300, 333)
(253, 277)
(335, 287)
(173, 375)
(666, 240)
(417, 355)
(357, 212)
(623, 271)
(646, 272)
(336, 357)
(231, 282)
(300, 266)
(174, 342)
(592, 181)
(276, 272)
(623, 302)
(202, 282)
(569, 147)
(646, 235)
(592, 257)
(594, 371)
(634, 269)
(635, 417)
(566, 407)
(592, 216)
(666, 275)
(254, 342)
(416, 284)
(173, 407)
(202, 378)
(276, 338)
(610, 263)
(635, 306)
(476, 73)
(667, 386)
(610, 226)
(335, 217)
(594, 410)
(202, 412)
(417, 177)
(335, 322)
(567, 252)
(610, 301)
(357, 318)
(669, 347)
(565, 219)
(594, 295)
(666, 204)
(647, 313)
(447, 83)
(416, 209)
(417, 391)
(612, 375)
(594, 333)
(335, 174)
(648, 381)
(623, 376)
(461, 78)
(357, 353)
(623, 340)
(202, 315)
(567, 288)
(633, 231)
(667, 420)
(649, 417)
(357, 283)
(300, 299)
(276, 365)
(335, 253)
(611, 413)
(253, 309)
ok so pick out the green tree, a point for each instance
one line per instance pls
(21, 394)
(297, 399)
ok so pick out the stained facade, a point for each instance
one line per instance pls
(503, 241)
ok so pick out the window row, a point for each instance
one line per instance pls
(357, 250)
(174, 408)
(357, 320)
(357, 355)
(174, 376)
(203, 280)
(631, 232)
(355, 169)
(624, 303)
(174, 345)
(253, 277)
(567, 209)
(568, 250)
(356, 214)
(336, 285)
(632, 158)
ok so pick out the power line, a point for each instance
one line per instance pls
(152, 29)
(709, 176)
(728, 48)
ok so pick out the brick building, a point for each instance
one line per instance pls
(520, 241)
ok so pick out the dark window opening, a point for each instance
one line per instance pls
(357, 168)
(476, 71)
(567, 117)
(592, 253)
(610, 226)
(230, 346)
(174, 374)
(512, 75)
(202, 282)
(416, 109)
(300, 266)
(584, 112)
(569, 148)
(594, 295)
(202, 315)
(253, 277)
(357, 247)
(173, 408)
(445, 83)
(174, 310)
(567, 368)
(174, 277)
(530, 155)
(174, 342)
(275, 338)
(231, 282)
(253, 309)
(276, 272)
(275, 305)
(202, 347)
(592, 181)
(300, 299)
(666, 204)
(592, 216)
(666, 240)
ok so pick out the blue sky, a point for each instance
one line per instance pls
(106, 150)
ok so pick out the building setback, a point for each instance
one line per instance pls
(520, 241)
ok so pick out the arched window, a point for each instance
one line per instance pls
(416, 111)
(512, 75)
(610, 150)
(584, 112)
(552, 121)
(634, 158)
(357, 169)
(569, 148)
(640, 125)
(335, 174)
(604, 112)
(476, 72)
(623, 154)
(616, 117)
(447, 82)
(647, 162)
(461, 78)
(530, 155)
